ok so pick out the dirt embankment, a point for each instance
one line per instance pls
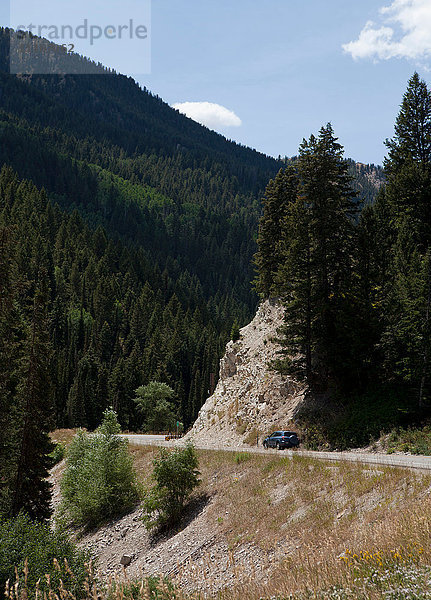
(265, 522)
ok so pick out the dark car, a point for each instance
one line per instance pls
(281, 439)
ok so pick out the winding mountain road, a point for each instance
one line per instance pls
(393, 460)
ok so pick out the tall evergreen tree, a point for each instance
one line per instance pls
(408, 165)
(406, 338)
(318, 243)
(279, 195)
(31, 492)
(11, 333)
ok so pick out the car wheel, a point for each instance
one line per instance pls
(265, 445)
(277, 445)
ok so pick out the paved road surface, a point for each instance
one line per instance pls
(147, 440)
(394, 460)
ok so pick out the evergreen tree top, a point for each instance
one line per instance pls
(412, 139)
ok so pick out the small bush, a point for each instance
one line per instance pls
(176, 475)
(99, 482)
(414, 441)
(252, 437)
(21, 539)
(235, 332)
(150, 588)
(58, 453)
(241, 426)
(110, 424)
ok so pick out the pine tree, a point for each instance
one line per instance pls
(318, 245)
(279, 194)
(11, 333)
(408, 166)
(31, 492)
(406, 339)
(412, 140)
(294, 279)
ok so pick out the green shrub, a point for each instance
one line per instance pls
(355, 421)
(110, 424)
(21, 539)
(413, 440)
(58, 453)
(235, 333)
(99, 482)
(176, 475)
(150, 588)
(154, 403)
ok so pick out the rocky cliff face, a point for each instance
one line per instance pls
(250, 399)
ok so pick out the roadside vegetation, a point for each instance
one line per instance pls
(414, 441)
(383, 420)
(175, 475)
(37, 558)
(329, 530)
(337, 424)
(99, 481)
(154, 402)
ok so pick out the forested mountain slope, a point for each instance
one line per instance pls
(356, 285)
(147, 277)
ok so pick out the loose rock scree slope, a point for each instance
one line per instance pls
(268, 522)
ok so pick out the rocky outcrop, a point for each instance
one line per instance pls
(250, 399)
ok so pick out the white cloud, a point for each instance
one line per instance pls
(212, 115)
(404, 32)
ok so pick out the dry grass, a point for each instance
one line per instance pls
(306, 513)
(317, 523)
(142, 459)
(63, 436)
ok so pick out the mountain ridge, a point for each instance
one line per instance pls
(151, 181)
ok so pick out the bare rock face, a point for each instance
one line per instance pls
(228, 364)
(250, 399)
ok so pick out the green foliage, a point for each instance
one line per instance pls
(315, 263)
(21, 539)
(280, 193)
(356, 421)
(153, 402)
(406, 332)
(58, 453)
(412, 440)
(235, 333)
(99, 482)
(151, 588)
(11, 332)
(110, 425)
(26, 407)
(114, 321)
(176, 475)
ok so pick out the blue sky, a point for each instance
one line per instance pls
(283, 67)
